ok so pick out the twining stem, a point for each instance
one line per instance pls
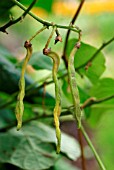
(43, 21)
(20, 106)
(92, 148)
(12, 22)
(68, 32)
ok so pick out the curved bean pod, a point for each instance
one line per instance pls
(73, 85)
(20, 106)
(57, 109)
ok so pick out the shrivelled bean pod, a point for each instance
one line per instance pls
(20, 106)
(57, 109)
(73, 85)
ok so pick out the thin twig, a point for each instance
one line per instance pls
(92, 101)
(68, 32)
(12, 22)
(88, 62)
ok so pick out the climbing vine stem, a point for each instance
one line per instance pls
(92, 148)
(71, 27)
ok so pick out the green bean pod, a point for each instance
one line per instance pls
(20, 106)
(73, 86)
(57, 109)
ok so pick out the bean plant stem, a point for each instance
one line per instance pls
(43, 21)
(92, 148)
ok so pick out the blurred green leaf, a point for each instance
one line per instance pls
(25, 152)
(40, 61)
(47, 5)
(5, 6)
(68, 96)
(105, 139)
(104, 28)
(63, 164)
(47, 134)
(66, 93)
(5, 53)
(34, 139)
(6, 117)
(99, 111)
(83, 55)
(103, 88)
(9, 77)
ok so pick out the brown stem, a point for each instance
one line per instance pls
(68, 32)
(82, 150)
(12, 22)
(92, 101)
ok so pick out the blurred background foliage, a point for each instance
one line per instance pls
(96, 21)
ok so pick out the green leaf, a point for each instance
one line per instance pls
(104, 88)
(83, 55)
(31, 148)
(104, 133)
(40, 61)
(6, 117)
(5, 6)
(25, 152)
(97, 112)
(63, 164)
(47, 5)
(69, 145)
(10, 75)
(7, 54)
